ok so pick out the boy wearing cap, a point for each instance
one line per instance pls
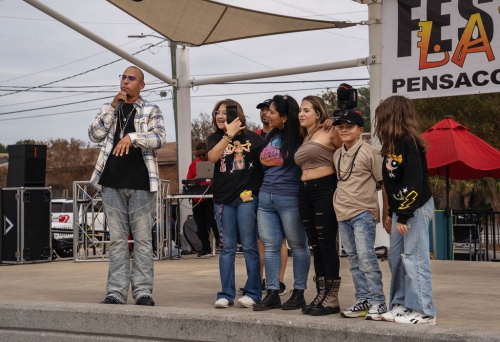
(359, 172)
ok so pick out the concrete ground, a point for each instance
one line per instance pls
(58, 299)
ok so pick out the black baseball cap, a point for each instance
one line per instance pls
(265, 103)
(351, 116)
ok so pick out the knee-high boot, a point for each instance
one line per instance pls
(330, 303)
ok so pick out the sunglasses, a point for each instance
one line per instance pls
(130, 77)
(201, 154)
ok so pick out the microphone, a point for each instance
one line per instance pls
(119, 106)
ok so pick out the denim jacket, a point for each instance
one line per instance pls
(149, 135)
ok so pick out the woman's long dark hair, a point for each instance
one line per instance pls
(290, 139)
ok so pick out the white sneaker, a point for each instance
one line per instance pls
(222, 303)
(416, 318)
(376, 311)
(397, 311)
(246, 302)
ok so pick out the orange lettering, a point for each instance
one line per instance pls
(469, 45)
(423, 44)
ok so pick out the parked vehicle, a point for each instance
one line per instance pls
(62, 224)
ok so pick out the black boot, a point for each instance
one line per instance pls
(271, 301)
(296, 301)
(320, 288)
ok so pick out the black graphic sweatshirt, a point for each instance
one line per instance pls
(406, 180)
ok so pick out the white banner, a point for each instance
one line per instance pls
(437, 48)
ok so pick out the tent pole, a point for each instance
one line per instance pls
(375, 61)
(447, 213)
(184, 148)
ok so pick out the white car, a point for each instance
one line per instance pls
(62, 224)
(62, 212)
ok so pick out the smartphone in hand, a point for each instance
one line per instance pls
(231, 113)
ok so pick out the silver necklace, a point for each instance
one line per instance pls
(123, 124)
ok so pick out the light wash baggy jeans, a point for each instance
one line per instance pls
(358, 239)
(129, 210)
(409, 261)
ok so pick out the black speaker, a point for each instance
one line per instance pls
(26, 226)
(27, 165)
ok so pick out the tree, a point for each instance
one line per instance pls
(30, 142)
(3, 148)
(201, 128)
(69, 161)
(330, 99)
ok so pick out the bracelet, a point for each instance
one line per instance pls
(227, 139)
(229, 136)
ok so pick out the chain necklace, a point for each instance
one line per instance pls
(124, 122)
(347, 173)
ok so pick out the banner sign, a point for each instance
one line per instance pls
(437, 48)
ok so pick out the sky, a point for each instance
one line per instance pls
(37, 50)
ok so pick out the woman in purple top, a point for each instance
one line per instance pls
(278, 212)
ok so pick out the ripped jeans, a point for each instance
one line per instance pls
(409, 261)
(320, 223)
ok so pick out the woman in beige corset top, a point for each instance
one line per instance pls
(315, 158)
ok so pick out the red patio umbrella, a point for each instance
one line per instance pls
(454, 152)
(454, 148)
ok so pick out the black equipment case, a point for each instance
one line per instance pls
(26, 225)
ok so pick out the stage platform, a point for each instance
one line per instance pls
(57, 301)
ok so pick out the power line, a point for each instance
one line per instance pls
(251, 60)
(82, 73)
(149, 90)
(227, 83)
(63, 65)
(170, 99)
(67, 104)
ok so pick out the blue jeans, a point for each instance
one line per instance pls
(232, 217)
(358, 239)
(277, 216)
(129, 210)
(410, 265)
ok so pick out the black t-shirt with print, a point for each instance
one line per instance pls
(128, 171)
(238, 169)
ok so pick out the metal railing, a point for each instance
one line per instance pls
(479, 232)
(91, 237)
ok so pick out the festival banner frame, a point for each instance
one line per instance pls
(434, 48)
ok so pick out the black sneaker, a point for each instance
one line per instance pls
(282, 289)
(263, 286)
(145, 300)
(109, 300)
